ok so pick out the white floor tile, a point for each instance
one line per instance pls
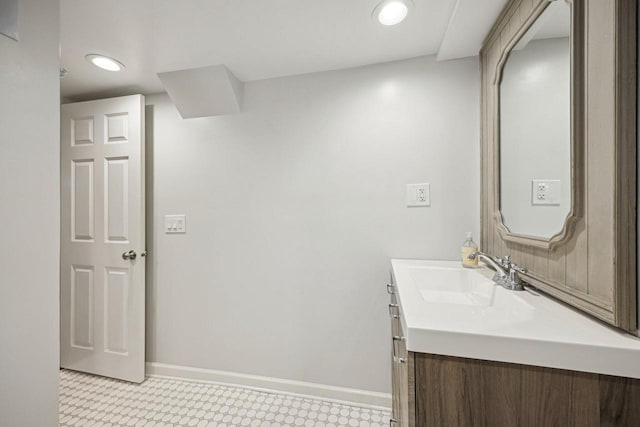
(87, 400)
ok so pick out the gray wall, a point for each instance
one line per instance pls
(294, 208)
(29, 214)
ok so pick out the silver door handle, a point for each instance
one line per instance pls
(131, 255)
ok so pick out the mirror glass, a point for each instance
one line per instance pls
(535, 127)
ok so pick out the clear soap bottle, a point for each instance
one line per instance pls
(469, 247)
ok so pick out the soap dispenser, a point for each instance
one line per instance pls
(469, 247)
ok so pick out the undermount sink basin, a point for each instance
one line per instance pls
(457, 286)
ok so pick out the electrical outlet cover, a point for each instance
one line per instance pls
(418, 195)
(545, 192)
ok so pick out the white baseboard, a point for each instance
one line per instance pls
(316, 391)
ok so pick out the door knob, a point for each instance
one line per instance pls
(131, 255)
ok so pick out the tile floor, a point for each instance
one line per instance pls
(87, 400)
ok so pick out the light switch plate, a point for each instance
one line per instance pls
(175, 224)
(418, 195)
(545, 192)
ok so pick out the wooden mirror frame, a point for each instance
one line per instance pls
(591, 264)
(576, 139)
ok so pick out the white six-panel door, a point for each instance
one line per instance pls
(102, 293)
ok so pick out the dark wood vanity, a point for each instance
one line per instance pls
(445, 391)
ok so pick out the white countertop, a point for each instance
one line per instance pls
(502, 325)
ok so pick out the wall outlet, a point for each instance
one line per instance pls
(175, 224)
(418, 195)
(545, 192)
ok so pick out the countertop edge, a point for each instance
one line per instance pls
(546, 354)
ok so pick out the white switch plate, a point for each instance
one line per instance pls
(545, 192)
(418, 195)
(175, 224)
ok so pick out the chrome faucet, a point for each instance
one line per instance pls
(507, 273)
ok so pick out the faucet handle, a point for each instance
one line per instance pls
(506, 261)
(514, 282)
(519, 269)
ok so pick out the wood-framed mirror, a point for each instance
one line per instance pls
(587, 259)
(539, 84)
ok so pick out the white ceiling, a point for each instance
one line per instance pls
(255, 39)
(469, 24)
(554, 22)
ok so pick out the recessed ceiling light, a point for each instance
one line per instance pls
(105, 62)
(391, 12)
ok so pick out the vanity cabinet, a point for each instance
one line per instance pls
(446, 391)
(400, 366)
